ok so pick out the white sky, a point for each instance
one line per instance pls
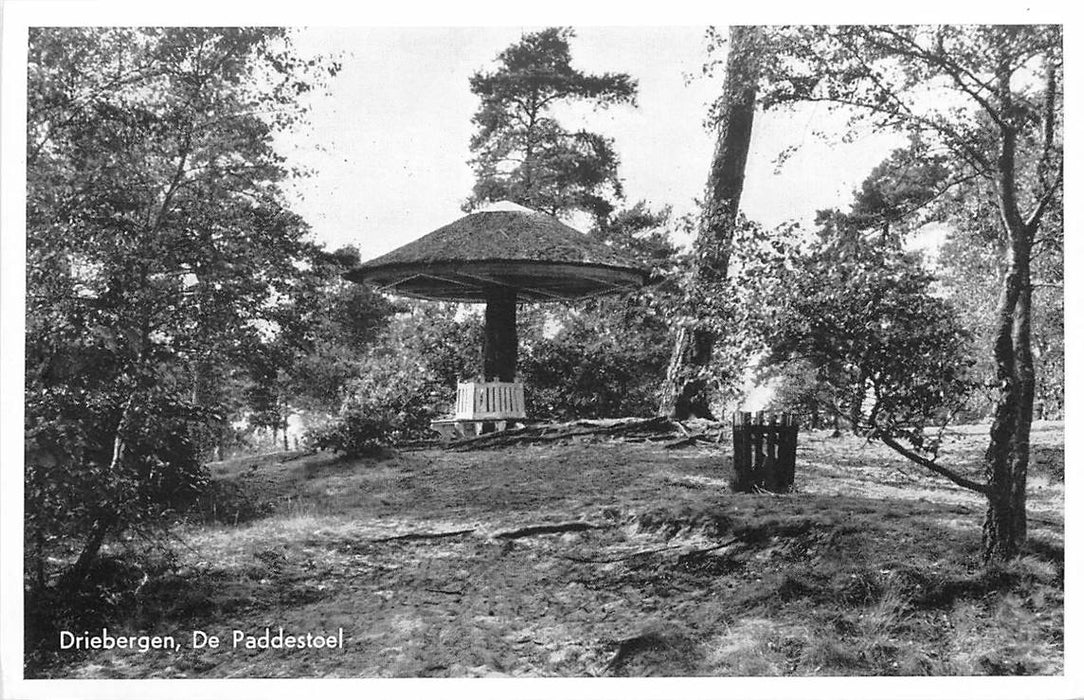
(388, 144)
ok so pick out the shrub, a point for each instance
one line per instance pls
(605, 359)
(71, 486)
(77, 494)
(393, 400)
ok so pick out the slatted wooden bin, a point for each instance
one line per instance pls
(764, 451)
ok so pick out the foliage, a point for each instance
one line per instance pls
(521, 152)
(797, 389)
(849, 249)
(603, 362)
(892, 356)
(68, 482)
(856, 327)
(159, 250)
(899, 187)
(445, 338)
(937, 83)
(403, 381)
(75, 491)
(323, 326)
(644, 235)
(363, 427)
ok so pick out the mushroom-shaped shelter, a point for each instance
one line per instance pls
(499, 256)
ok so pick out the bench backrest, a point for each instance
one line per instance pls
(489, 400)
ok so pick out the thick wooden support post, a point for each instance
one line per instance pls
(499, 350)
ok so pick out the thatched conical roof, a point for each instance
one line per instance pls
(507, 246)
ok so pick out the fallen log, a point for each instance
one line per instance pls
(705, 550)
(547, 433)
(531, 530)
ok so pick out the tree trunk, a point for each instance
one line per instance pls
(75, 576)
(686, 391)
(500, 345)
(106, 519)
(1008, 454)
(854, 415)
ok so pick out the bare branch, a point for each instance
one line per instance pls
(1036, 214)
(954, 70)
(903, 112)
(932, 466)
(1046, 190)
(1049, 118)
(955, 143)
(175, 182)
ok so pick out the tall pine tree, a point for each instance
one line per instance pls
(522, 153)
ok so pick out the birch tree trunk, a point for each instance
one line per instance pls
(1008, 453)
(1006, 461)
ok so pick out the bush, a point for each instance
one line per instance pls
(77, 495)
(71, 487)
(604, 358)
(884, 350)
(568, 379)
(353, 433)
(394, 400)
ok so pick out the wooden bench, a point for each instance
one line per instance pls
(479, 403)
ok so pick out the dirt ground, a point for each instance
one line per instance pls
(645, 563)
